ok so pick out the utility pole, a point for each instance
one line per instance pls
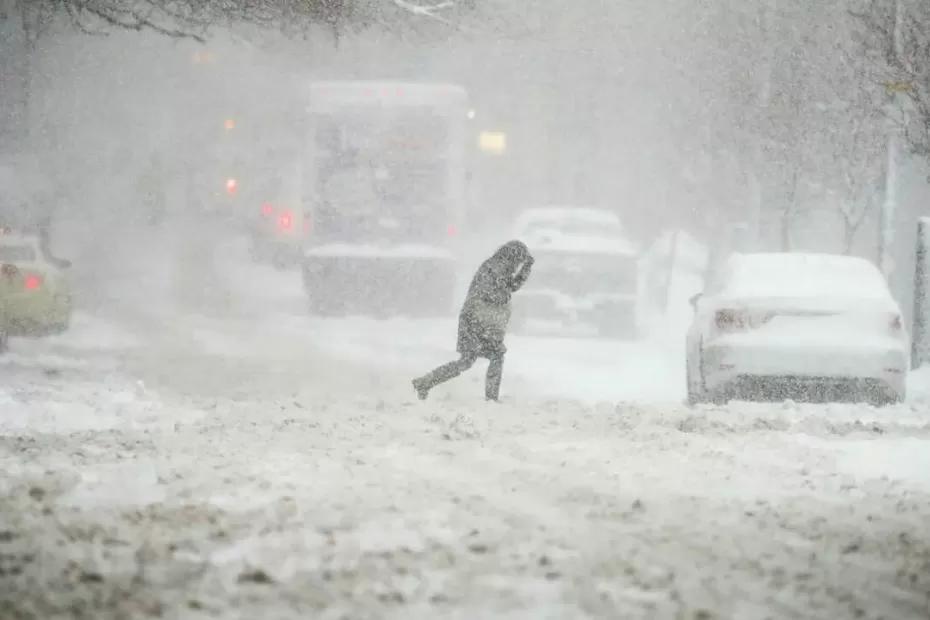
(920, 337)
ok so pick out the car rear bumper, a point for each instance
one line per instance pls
(805, 373)
(36, 316)
(809, 389)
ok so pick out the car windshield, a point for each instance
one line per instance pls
(803, 276)
(17, 254)
(582, 274)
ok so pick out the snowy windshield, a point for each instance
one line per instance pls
(803, 276)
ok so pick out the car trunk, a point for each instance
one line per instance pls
(837, 323)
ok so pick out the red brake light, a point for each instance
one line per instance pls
(286, 220)
(452, 230)
(32, 282)
(267, 209)
(232, 186)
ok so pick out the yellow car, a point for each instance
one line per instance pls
(35, 292)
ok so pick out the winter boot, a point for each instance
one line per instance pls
(492, 385)
(422, 390)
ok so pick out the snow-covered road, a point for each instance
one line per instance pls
(261, 464)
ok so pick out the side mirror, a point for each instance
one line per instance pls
(694, 300)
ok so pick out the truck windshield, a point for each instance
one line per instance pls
(382, 171)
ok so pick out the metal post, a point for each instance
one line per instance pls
(920, 336)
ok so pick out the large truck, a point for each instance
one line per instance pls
(383, 193)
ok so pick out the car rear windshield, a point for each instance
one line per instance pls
(804, 276)
(584, 274)
(17, 254)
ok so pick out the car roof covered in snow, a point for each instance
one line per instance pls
(573, 229)
(802, 275)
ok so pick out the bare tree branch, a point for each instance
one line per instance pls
(193, 19)
(907, 65)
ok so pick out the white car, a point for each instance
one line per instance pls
(806, 327)
(585, 277)
(35, 290)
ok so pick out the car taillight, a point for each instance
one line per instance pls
(452, 230)
(728, 320)
(32, 282)
(286, 220)
(267, 209)
(232, 186)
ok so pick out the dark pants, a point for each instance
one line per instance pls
(492, 385)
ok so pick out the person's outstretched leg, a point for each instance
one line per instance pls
(492, 385)
(442, 374)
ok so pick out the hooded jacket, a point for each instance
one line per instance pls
(486, 311)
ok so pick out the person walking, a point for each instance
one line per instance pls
(484, 318)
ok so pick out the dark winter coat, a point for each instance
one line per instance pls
(486, 311)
